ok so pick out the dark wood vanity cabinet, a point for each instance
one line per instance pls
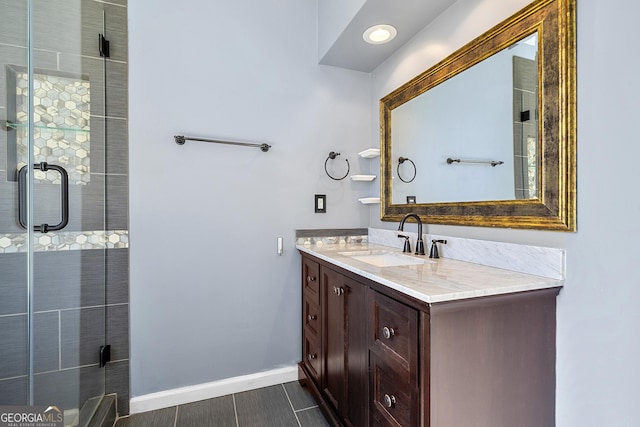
(334, 342)
(373, 356)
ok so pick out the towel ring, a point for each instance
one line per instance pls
(401, 160)
(333, 155)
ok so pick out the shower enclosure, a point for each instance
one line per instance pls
(63, 204)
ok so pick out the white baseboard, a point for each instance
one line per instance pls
(194, 393)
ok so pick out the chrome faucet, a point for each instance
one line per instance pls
(419, 242)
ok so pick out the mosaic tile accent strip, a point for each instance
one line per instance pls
(328, 240)
(65, 241)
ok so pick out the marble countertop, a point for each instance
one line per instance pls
(435, 280)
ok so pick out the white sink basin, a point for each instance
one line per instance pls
(384, 258)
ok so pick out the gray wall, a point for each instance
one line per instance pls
(210, 297)
(598, 340)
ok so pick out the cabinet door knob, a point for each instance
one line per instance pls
(312, 317)
(311, 279)
(388, 332)
(338, 291)
(389, 401)
(312, 356)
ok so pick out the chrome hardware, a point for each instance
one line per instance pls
(312, 317)
(311, 279)
(311, 356)
(338, 291)
(388, 333)
(389, 401)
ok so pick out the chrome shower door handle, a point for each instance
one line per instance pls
(64, 197)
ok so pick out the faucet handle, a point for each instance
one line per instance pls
(407, 244)
(434, 248)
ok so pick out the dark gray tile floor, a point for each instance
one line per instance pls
(277, 406)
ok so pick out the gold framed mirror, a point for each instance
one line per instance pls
(525, 175)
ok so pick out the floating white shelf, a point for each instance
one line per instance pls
(370, 153)
(369, 200)
(363, 177)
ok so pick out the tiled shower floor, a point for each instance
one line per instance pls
(277, 406)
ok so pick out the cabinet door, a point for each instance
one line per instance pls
(346, 347)
(357, 381)
(335, 295)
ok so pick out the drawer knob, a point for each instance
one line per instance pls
(388, 332)
(389, 401)
(312, 356)
(312, 317)
(311, 279)
(338, 291)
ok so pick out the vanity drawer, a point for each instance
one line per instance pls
(311, 317)
(394, 330)
(312, 356)
(311, 280)
(393, 395)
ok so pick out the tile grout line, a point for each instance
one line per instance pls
(291, 404)
(175, 420)
(59, 340)
(305, 409)
(235, 410)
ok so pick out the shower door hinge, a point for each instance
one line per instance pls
(103, 46)
(105, 355)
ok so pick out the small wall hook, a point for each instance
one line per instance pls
(332, 156)
(433, 253)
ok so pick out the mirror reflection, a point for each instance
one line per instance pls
(473, 137)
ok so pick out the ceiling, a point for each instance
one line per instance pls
(408, 16)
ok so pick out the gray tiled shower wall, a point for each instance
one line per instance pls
(525, 98)
(80, 296)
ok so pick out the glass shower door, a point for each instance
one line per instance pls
(52, 193)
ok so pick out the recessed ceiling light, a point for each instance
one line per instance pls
(379, 34)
